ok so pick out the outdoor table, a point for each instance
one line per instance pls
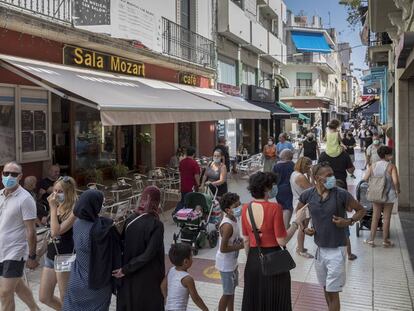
(117, 189)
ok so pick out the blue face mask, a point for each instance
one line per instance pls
(330, 182)
(237, 212)
(273, 192)
(9, 181)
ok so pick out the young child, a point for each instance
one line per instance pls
(229, 245)
(178, 283)
(333, 139)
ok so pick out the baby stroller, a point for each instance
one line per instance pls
(365, 222)
(198, 220)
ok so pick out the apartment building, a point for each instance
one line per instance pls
(313, 68)
(251, 50)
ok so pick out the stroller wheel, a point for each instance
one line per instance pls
(357, 229)
(212, 239)
(175, 238)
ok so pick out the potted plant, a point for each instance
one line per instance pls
(120, 170)
(94, 175)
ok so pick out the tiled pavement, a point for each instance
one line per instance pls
(380, 279)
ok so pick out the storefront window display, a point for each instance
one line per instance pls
(95, 144)
(187, 134)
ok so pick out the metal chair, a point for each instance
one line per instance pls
(123, 193)
(96, 186)
(116, 210)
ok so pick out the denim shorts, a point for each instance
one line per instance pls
(229, 280)
(49, 263)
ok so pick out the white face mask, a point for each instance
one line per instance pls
(60, 197)
(216, 160)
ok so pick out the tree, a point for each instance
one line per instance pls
(356, 12)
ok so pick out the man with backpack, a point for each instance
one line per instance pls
(327, 205)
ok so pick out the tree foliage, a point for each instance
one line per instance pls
(355, 12)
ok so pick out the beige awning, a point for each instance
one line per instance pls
(239, 107)
(121, 100)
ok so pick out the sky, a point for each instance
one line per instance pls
(338, 15)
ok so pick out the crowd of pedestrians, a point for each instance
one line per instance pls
(307, 195)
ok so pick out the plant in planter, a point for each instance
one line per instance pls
(120, 170)
(144, 138)
(94, 175)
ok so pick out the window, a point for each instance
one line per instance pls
(95, 144)
(226, 70)
(7, 124)
(185, 14)
(24, 124)
(304, 79)
(249, 75)
(275, 26)
(238, 3)
(34, 124)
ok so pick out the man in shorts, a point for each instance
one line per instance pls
(327, 206)
(18, 238)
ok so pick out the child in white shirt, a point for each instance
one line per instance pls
(178, 284)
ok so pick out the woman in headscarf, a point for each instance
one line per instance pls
(98, 253)
(143, 259)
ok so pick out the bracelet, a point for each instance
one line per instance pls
(295, 223)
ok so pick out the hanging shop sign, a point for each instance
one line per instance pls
(77, 56)
(371, 90)
(261, 94)
(229, 89)
(188, 78)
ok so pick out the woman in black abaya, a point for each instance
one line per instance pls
(143, 260)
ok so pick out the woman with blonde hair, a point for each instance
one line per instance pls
(299, 182)
(61, 202)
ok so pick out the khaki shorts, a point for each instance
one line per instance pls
(330, 268)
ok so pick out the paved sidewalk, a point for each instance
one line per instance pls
(380, 279)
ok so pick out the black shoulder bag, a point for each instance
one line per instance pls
(274, 263)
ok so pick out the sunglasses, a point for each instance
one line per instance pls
(319, 166)
(12, 174)
(64, 179)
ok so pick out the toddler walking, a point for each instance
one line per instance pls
(178, 285)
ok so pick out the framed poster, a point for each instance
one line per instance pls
(40, 120)
(27, 142)
(40, 141)
(27, 120)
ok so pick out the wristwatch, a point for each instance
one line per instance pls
(295, 223)
(32, 257)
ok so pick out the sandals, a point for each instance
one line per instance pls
(304, 254)
(370, 243)
(387, 244)
(352, 257)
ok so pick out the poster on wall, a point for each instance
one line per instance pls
(27, 142)
(137, 20)
(39, 120)
(91, 12)
(40, 140)
(27, 120)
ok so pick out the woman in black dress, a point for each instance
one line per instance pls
(143, 260)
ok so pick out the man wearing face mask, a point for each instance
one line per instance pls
(327, 206)
(18, 238)
(341, 165)
(372, 151)
(269, 154)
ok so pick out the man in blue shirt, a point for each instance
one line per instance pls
(284, 144)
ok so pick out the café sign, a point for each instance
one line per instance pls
(188, 78)
(76, 56)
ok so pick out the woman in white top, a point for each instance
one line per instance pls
(230, 243)
(299, 182)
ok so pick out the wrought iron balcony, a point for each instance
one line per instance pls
(58, 10)
(182, 43)
(309, 91)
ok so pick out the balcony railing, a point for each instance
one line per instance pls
(313, 58)
(185, 44)
(379, 39)
(309, 91)
(58, 10)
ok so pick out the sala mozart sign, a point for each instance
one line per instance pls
(76, 56)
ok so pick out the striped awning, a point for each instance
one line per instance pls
(281, 81)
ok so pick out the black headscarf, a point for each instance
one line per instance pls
(105, 252)
(89, 205)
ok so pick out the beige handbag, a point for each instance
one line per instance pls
(376, 188)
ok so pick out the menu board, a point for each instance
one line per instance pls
(27, 120)
(39, 120)
(27, 142)
(40, 140)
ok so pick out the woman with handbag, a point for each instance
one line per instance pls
(61, 203)
(267, 285)
(386, 196)
(143, 266)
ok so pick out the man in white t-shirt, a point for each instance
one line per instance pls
(18, 238)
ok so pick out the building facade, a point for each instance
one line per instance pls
(313, 68)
